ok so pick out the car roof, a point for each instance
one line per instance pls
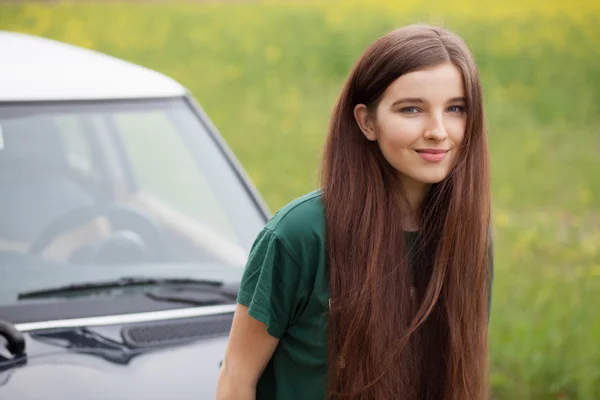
(34, 68)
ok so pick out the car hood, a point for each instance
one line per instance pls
(98, 363)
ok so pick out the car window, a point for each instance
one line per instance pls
(95, 191)
(164, 167)
(37, 182)
(76, 145)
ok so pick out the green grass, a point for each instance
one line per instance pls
(268, 75)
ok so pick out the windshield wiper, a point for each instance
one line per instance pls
(125, 282)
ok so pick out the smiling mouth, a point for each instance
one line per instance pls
(432, 155)
(432, 151)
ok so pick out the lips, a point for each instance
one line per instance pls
(432, 155)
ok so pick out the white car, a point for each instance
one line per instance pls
(125, 223)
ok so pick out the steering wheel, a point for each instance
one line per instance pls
(134, 229)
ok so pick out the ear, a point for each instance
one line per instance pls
(365, 121)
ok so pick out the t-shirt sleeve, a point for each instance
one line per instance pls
(272, 286)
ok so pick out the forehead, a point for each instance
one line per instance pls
(434, 84)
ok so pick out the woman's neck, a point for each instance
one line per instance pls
(415, 192)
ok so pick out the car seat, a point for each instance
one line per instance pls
(35, 187)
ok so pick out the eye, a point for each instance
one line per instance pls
(409, 110)
(456, 109)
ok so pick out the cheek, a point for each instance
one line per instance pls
(397, 133)
(456, 130)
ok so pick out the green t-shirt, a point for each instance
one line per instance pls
(285, 286)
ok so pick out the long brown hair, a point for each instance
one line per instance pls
(384, 342)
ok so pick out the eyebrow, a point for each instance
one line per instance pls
(418, 100)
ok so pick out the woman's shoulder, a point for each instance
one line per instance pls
(300, 220)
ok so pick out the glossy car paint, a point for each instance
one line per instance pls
(95, 363)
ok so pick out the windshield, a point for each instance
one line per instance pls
(97, 191)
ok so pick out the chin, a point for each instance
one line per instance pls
(431, 179)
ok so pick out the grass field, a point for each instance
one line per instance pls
(268, 74)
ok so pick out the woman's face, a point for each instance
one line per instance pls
(419, 123)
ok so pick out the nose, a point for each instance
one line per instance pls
(435, 129)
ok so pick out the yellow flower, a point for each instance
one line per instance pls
(272, 54)
(502, 219)
(585, 196)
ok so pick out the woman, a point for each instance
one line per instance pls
(377, 286)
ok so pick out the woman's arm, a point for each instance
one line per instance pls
(249, 350)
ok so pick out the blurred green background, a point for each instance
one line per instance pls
(268, 74)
